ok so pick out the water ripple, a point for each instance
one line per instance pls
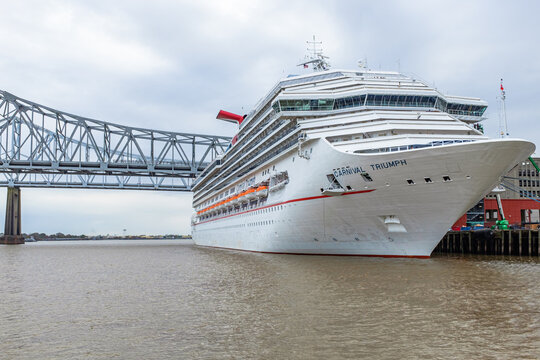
(170, 299)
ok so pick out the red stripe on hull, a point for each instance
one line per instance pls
(293, 253)
(287, 202)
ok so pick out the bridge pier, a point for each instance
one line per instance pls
(12, 229)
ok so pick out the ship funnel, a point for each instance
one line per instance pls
(230, 117)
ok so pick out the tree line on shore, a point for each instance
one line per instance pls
(59, 235)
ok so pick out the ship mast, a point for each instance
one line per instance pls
(316, 59)
(503, 123)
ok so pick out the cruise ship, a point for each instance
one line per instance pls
(349, 162)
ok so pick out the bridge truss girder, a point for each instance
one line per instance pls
(44, 147)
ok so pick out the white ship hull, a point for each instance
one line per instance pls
(384, 217)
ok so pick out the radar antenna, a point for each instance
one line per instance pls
(315, 58)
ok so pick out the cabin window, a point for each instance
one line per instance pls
(366, 177)
(306, 104)
(378, 100)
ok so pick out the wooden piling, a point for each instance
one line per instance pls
(517, 242)
(529, 243)
(510, 247)
(520, 244)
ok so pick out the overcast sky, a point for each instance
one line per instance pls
(173, 64)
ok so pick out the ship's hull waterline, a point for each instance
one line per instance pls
(412, 200)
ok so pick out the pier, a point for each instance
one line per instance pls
(490, 242)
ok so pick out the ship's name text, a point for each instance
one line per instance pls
(388, 164)
(347, 170)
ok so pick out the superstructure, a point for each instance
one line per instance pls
(355, 162)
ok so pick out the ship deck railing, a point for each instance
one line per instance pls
(412, 147)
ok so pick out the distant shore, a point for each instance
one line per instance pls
(115, 238)
(33, 238)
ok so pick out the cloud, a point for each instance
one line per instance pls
(71, 35)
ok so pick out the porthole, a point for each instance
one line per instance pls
(446, 178)
(428, 180)
(410, 181)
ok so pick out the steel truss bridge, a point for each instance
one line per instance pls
(44, 147)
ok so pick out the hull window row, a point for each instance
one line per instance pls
(428, 180)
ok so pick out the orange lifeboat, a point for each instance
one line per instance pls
(262, 191)
(251, 194)
(242, 197)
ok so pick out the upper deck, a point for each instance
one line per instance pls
(330, 100)
(338, 89)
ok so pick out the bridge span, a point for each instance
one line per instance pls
(44, 147)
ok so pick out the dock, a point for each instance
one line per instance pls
(490, 242)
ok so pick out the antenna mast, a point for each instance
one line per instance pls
(503, 123)
(315, 58)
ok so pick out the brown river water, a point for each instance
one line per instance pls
(170, 299)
